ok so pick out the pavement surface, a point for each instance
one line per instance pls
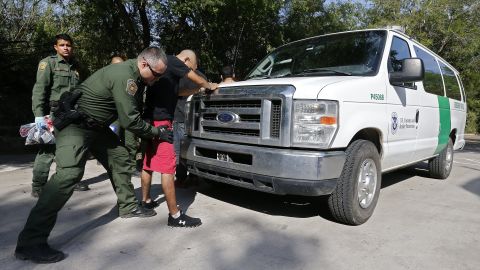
(419, 223)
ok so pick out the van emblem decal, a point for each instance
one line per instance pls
(394, 123)
(227, 117)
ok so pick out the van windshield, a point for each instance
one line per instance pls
(346, 54)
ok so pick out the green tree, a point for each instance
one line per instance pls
(449, 28)
(236, 32)
(26, 29)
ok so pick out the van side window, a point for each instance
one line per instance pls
(451, 83)
(398, 52)
(432, 83)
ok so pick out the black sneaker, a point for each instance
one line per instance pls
(81, 187)
(183, 221)
(140, 212)
(150, 205)
(41, 253)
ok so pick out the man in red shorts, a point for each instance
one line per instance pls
(160, 155)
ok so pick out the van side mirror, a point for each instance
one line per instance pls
(412, 71)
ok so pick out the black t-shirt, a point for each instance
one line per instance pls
(162, 96)
(185, 83)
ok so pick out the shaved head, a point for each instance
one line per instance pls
(116, 59)
(189, 57)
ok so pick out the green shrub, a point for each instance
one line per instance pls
(472, 122)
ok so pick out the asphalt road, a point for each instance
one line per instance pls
(419, 223)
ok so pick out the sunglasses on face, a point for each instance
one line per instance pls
(154, 73)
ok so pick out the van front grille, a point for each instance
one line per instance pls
(246, 112)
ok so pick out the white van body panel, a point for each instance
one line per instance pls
(428, 124)
(359, 100)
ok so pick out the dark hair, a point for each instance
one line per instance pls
(227, 71)
(64, 37)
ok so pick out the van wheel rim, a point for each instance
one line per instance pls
(448, 158)
(367, 183)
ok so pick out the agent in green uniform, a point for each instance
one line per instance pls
(106, 95)
(130, 140)
(55, 75)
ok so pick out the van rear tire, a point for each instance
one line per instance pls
(441, 165)
(356, 194)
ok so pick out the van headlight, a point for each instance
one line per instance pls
(314, 122)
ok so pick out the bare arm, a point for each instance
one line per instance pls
(201, 82)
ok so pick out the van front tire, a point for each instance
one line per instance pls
(358, 188)
(441, 165)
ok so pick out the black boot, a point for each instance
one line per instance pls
(141, 212)
(41, 253)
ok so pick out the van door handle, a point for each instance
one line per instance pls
(417, 116)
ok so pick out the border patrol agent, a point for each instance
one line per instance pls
(106, 95)
(56, 74)
(130, 140)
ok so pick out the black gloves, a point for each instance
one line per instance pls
(165, 134)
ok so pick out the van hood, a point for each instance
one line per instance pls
(306, 87)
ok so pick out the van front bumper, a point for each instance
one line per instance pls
(273, 170)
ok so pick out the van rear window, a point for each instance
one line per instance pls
(451, 83)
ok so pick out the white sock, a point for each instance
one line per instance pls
(177, 215)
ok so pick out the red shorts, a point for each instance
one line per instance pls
(160, 155)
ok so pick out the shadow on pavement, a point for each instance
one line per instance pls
(16, 206)
(17, 159)
(259, 246)
(392, 178)
(473, 186)
(63, 239)
(294, 206)
(472, 144)
(96, 179)
(289, 251)
(185, 197)
(282, 205)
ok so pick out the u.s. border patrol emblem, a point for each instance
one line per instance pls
(394, 126)
(131, 87)
(42, 65)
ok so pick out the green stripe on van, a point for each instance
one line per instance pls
(444, 108)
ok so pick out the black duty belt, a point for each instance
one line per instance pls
(53, 103)
(92, 124)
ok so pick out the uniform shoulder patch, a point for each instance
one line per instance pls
(42, 65)
(131, 87)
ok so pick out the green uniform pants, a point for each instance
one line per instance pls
(73, 144)
(131, 144)
(41, 166)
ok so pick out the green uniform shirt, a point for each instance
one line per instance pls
(54, 77)
(110, 92)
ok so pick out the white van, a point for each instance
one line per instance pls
(327, 116)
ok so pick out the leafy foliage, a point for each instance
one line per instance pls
(222, 32)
